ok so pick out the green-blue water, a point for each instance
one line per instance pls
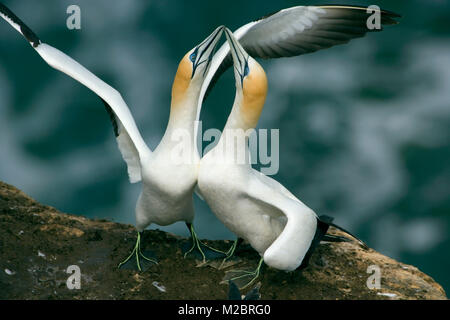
(364, 127)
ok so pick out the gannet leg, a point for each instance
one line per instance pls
(233, 248)
(240, 276)
(230, 253)
(206, 252)
(138, 254)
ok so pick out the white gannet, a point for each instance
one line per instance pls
(169, 173)
(255, 207)
(295, 31)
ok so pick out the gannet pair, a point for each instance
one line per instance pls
(167, 189)
(168, 179)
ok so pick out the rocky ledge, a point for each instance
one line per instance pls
(38, 244)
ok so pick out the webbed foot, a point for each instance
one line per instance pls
(141, 265)
(244, 278)
(201, 250)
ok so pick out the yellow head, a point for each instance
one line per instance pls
(251, 82)
(254, 92)
(194, 67)
(182, 80)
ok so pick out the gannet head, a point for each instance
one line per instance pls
(194, 66)
(251, 82)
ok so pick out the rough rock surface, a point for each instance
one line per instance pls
(38, 244)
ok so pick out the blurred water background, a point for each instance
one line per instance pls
(364, 127)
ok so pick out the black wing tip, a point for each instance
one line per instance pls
(389, 20)
(386, 14)
(30, 36)
(26, 32)
(391, 14)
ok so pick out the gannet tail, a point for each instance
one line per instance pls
(323, 224)
(322, 228)
(329, 221)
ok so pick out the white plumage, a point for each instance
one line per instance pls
(167, 183)
(253, 206)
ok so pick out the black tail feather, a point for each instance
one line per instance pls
(323, 224)
(333, 238)
(322, 228)
(327, 220)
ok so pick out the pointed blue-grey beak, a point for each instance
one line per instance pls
(240, 57)
(204, 52)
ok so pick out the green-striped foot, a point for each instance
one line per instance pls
(244, 278)
(201, 250)
(137, 259)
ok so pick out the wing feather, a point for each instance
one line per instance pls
(129, 139)
(292, 32)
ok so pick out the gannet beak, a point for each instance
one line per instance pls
(240, 57)
(204, 52)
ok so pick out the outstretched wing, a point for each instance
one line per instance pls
(300, 30)
(295, 31)
(129, 139)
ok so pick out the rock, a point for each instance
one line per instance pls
(38, 244)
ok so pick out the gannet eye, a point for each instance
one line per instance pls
(246, 69)
(193, 56)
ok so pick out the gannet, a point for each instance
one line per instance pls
(168, 176)
(255, 207)
(291, 32)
